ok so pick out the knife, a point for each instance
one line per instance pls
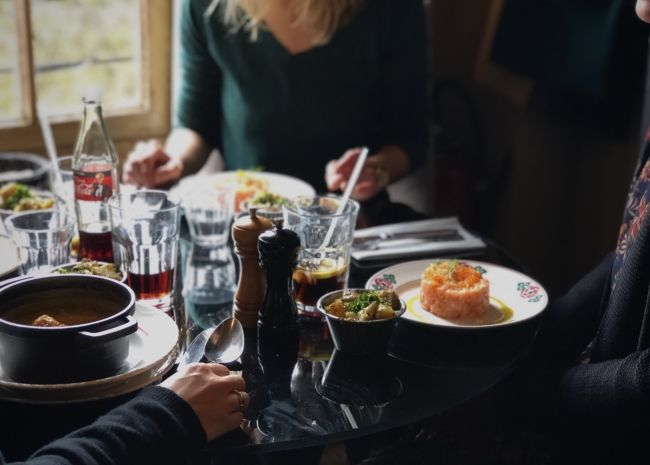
(432, 235)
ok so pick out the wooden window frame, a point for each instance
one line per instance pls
(150, 120)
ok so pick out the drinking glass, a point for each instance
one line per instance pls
(209, 283)
(325, 240)
(42, 238)
(145, 229)
(209, 214)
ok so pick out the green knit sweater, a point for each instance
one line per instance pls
(291, 113)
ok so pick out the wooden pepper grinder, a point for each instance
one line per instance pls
(252, 280)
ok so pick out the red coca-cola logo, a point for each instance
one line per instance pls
(93, 186)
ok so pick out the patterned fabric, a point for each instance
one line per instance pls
(635, 213)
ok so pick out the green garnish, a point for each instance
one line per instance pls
(268, 199)
(86, 266)
(452, 266)
(362, 301)
(20, 192)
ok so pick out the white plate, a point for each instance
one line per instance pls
(514, 297)
(153, 349)
(8, 256)
(280, 184)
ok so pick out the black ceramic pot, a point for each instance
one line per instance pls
(358, 337)
(97, 311)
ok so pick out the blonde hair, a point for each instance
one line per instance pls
(321, 17)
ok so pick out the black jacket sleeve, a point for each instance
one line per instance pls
(570, 323)
(156, 427)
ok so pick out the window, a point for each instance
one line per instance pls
(54, 52)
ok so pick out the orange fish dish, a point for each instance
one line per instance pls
(451, 289)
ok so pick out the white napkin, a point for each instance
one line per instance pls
(408, 247)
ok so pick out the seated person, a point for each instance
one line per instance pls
(162, 424)
(293, 87)
(583, 393)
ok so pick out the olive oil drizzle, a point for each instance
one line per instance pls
(506, 313)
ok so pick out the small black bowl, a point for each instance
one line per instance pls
(25, 168)
(358, 337)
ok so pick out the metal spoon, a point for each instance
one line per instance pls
(226, 343)
(194, 352)
(223, 344)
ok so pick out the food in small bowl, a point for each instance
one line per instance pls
(453, 289)
(92, 267)
(361, 321)
(64, 328)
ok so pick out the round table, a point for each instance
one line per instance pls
(319, 396)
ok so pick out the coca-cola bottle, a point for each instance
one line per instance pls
(94, 166)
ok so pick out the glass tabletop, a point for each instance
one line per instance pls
(318, 396)
(321, 395)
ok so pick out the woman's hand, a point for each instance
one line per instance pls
(372, 179)
(216, 396)
(149, 165)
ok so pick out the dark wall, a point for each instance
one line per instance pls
(552, 185)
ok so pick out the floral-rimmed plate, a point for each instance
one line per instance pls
(514, 297)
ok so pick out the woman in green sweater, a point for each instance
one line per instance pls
(296, 86)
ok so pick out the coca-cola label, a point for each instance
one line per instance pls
(95, 185)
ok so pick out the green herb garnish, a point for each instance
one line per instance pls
(452, 266)
(268, 199)
(362, 301)
(21, 192)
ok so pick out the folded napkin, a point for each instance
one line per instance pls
(403, 247)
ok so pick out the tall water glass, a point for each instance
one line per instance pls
(325, 240)
(42, 238)
(209, 214)
(145, 227)
(209, 283)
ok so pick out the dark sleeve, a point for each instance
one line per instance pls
(589, 393)
(199, 97)
(570, 323)
(404, 117)
(614, 389)
(155, 427)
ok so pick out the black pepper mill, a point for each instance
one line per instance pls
(277, 325)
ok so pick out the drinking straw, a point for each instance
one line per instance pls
(354, 177)
(50, 147)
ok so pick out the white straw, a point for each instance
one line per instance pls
(354, 177)
(50, 147)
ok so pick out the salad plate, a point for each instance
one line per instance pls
(247, 184)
